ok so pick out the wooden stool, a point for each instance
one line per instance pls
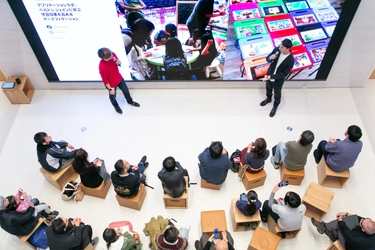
(135, 202)
(336, 246)
(317, 200)
(294, 177)
(205, 184)
(89, 247)
(99, 192)
(60, 178)
(253, 180)
(329, 178)
(213, 219)
(238, 218)
(274, 228)
(25, 238)
(180, 202)
(263, 240)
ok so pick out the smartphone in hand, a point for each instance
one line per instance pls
(243, 197)
(283, 183)
(216, 233)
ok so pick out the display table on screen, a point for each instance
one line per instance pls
(21, 93)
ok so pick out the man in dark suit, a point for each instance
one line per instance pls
(282, 62)
(172, 177)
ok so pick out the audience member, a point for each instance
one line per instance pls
(206, 242)
(175, 59)
(172, 177)
(129, 6)
(353, 232)
(66, 234)
(251, 205)
(254, 155)
(93, 173)
(127, 178)
(119, 236)
(52, 155)
(162, 36)
(287, 213)
(293, 154)
(214, 163)
(340, 155)
(173, 239)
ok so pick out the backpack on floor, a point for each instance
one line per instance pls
(39, 237)
(235, 158)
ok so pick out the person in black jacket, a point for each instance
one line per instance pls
(14, 222)
(69, 234)
(93, 173)
(206, 242)
(172, 177)
(127, 178)
(282, 62)
(360, 235)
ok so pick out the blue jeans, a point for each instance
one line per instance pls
(281, 153)
(141, 169)
(125, 91)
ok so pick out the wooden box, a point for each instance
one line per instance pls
(263, 240)
(238, 217)
(134, 203)
(294, 177)
(205, 184)
(329, 178)
(99, 192)
(274, 228)
(180, 202)
(213, 219)
(317, 200)
(60, 178)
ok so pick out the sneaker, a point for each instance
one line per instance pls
(95, 241)
(196, 244)
(118, 110)
(319, 225)
(50, 219)
(55, 213)
(331, 234)
(316, 156)
(274, 164)
(135, 104)
(143, 159)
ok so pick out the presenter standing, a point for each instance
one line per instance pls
(108, 69)
(282, 62)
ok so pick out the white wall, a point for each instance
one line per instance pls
(352, 68)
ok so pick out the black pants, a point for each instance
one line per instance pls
(86, 237)
(321, 151)
(277, 89)
(125, 91)
(266, 210)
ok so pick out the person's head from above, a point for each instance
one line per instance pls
(171, 234)
(13, 202)
(132, 17)
(292, 199)
(110, 236)
(367, 225)
(173, 48)
(285, 46)
(171, 29)
(7, 202)
(306, 138)
(80, 160)
(142, 30)
(353, 133)
(59, 225)
(105, 54)
(122, 167)
(41, 138)
(169, 164)
(221, 245)
(259, 149)
(216, 149)
(252, 198)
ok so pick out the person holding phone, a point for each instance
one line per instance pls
(207, 242)
(249, 203)
(287, 213)
(254, 155)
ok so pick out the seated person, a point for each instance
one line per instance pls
(173, 239)
(255, 155)
(207, 242)
(92, 174)
(172, 177)
(128, 6)
(293, 154)
(127, 178)
(251, 205)
(162, 36)
(214, 163)
(52, 155)
(175, 59)
(361, 235)
(120, 235)
(208, 52)
(340, 155)
(66, 234)
(287, 213)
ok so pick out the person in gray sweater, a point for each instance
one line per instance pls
(287, 213)
(293, 154)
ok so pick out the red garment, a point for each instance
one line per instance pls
(181, 243)
(109, 71)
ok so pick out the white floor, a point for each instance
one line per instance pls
(181, 123)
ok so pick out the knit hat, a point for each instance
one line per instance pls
(1, 202)
(171, 29)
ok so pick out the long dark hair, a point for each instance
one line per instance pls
(252, 197)
(173, 48)
(259, 149)
(80, 163)
(110, 236)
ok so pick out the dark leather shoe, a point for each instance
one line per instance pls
(273, 112)
(118, 110)
(264, 103)
(135, 104)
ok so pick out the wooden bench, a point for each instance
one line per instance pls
(263, 240)
(99, 192)
(134, 203)
(317, 200)
(238, 218)
(336, 246)
(329, 178)
(205, 184)
(294, 177)
(90, 247)
(180, 202)
(274, 228)
(25, 238)
(60, 178)
(253, 180)
(213, 219)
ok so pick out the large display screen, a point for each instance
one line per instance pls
(66, 35)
